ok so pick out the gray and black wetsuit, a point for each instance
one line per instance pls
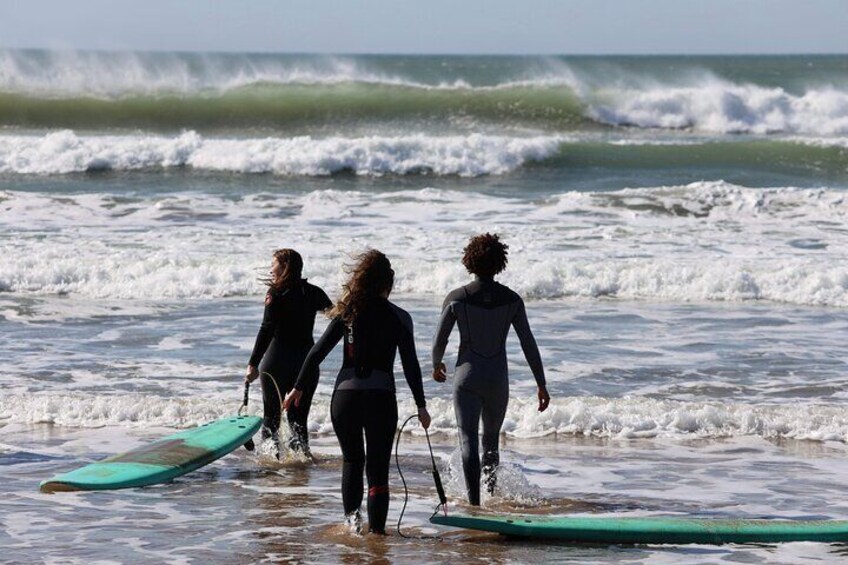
(284, 339)
(484, 311)
(364, 398)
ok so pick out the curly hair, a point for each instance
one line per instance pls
(292, 264)
(485, 255)
(370, 277)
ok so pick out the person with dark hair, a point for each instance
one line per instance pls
(284, 339)
(364, 399)
(484, 311)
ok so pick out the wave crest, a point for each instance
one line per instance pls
(169, 92)
(473, 155)
(617, 418)
(721, 107)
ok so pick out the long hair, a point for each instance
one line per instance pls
(292, 265)
(370, 277)
(485, 255)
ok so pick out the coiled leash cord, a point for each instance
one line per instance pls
(443, 501)
(249, 444)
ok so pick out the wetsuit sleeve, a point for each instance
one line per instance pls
(266, 331)
(528, 343)
(328, 340)
(409, 360)
(440, 340)
(322, 301)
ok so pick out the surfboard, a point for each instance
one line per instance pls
(161, 460)
(652, 530)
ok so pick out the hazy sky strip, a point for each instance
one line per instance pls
(432, 26)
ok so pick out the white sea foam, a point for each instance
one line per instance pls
(700, 242)
(715, 105)
(820, 141)
(622, 418)
(472, 155)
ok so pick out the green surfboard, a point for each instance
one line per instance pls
(161, 460)
(653, 530)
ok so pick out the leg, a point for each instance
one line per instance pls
(346, 411)
(298, 415)
(494, 412)
(468, 406)
(380, 425)
(270, 405)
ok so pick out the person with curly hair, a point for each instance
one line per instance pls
(364, 401)
(283, 340)
(484, 310)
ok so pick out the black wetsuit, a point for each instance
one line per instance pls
(484, 311)
(364, 398)
(284, 339)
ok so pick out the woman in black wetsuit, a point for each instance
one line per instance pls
(484, 311)
(284, 339)
(364, 399)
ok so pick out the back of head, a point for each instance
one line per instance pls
(291, 270)
(485, 255)
(370, 277)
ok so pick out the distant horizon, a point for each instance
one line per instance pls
(419, 54)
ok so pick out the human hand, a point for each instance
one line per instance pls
(544, 398)
(440, 373)
(424, 417)
(251, 374)
(292, 398)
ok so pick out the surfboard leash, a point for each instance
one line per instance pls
(443, 501)
(279, 394)
(249, 444)
(270, 377)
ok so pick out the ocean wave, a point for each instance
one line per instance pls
(615, 418)
(112, 74)
(473, 155)
(715, 105)
(307, 108)
(711, 107)
(168, 92)
(699, 242)
(168, 276)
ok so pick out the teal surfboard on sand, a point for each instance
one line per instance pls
(161, 460)
(653, 530)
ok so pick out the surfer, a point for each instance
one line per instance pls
(284, 339)
(364, 398)
(484, 311)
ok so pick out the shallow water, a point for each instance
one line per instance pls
(693, 410)
(244, 510)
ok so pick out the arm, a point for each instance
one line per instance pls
(440, 340)
(322, 301)
(409, 360)
(528, 344)
(266, 331)
(318, 353)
